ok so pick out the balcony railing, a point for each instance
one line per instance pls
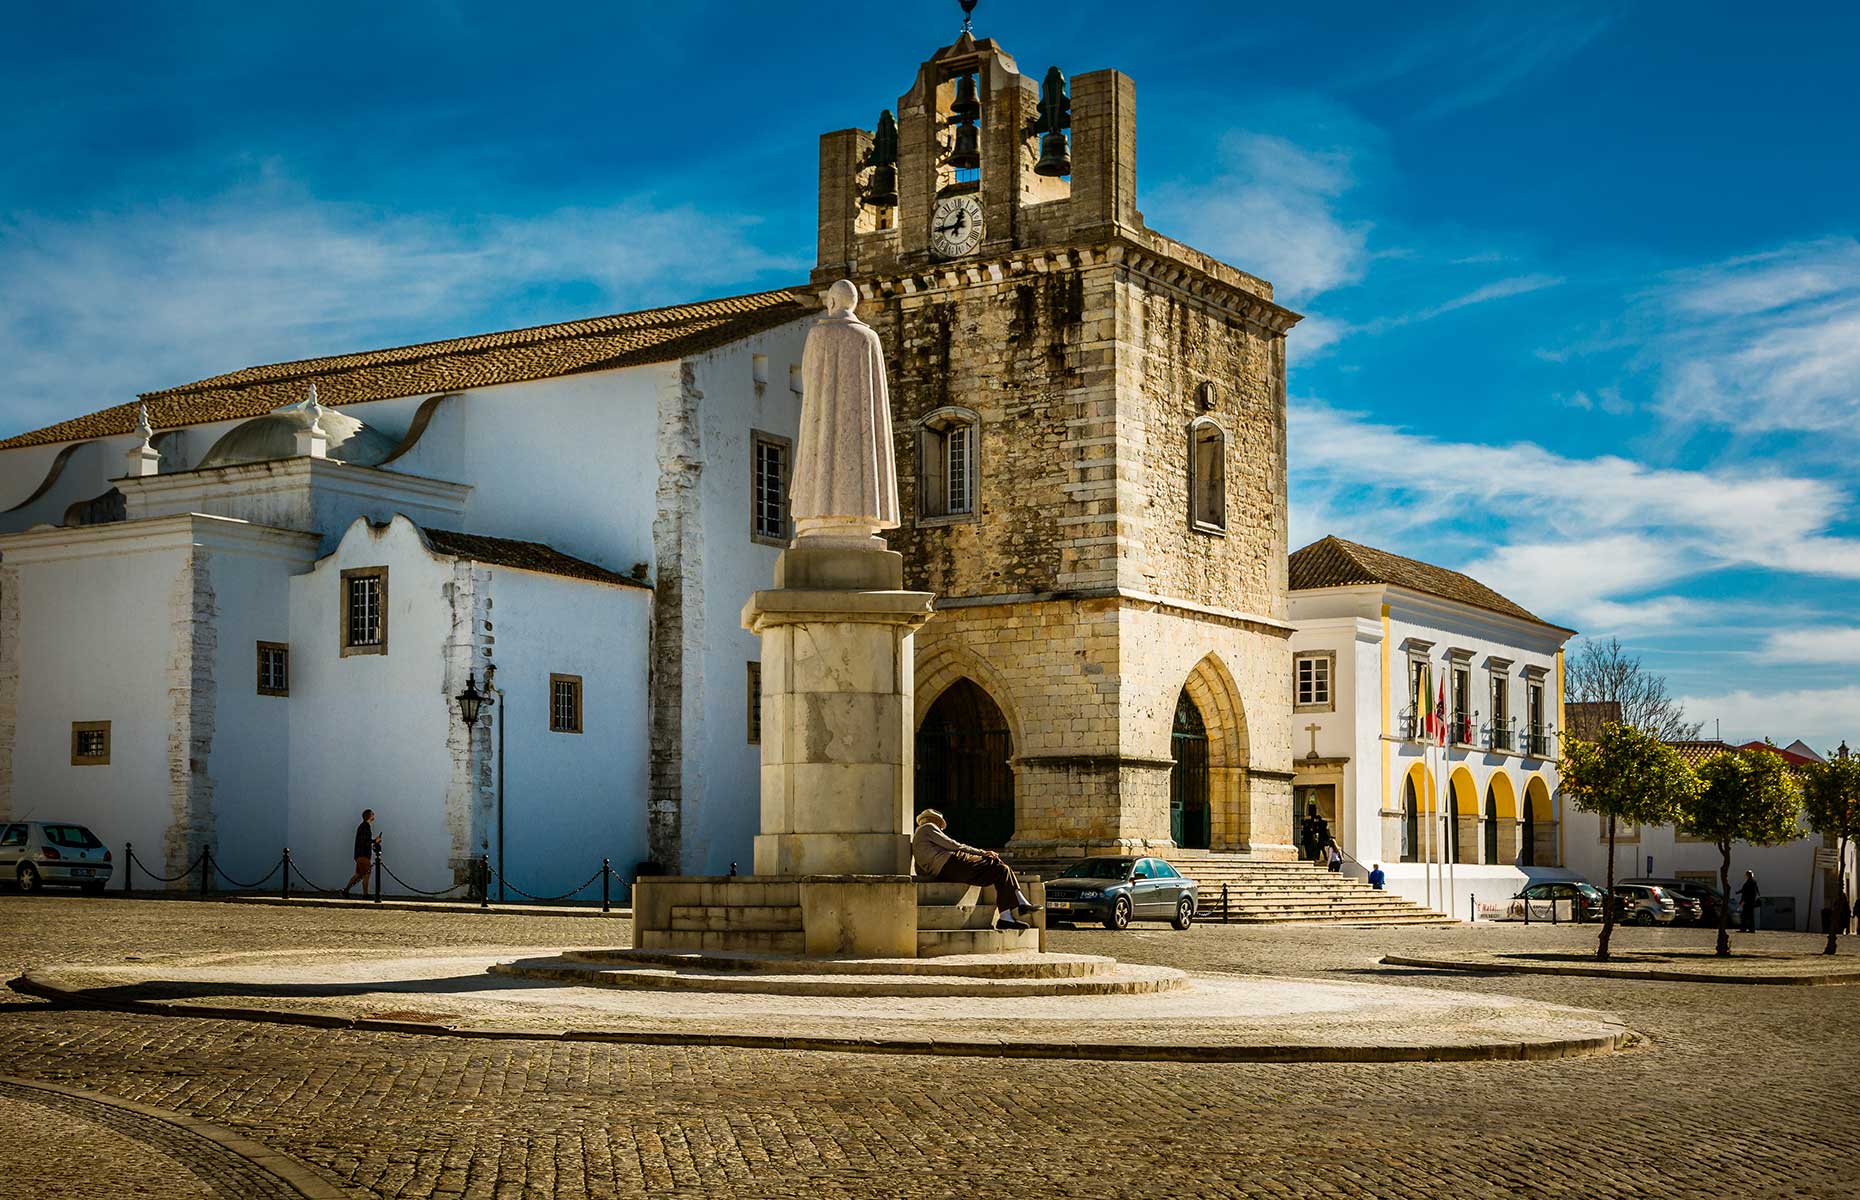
(1462, 727)
(1502, 736)
(1537, 742)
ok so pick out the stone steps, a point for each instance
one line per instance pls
(934, 943)
(849, 978)
(1019, 965)
(1291, 892)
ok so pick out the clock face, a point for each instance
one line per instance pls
(956, 226)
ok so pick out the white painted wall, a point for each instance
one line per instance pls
(570, 799)
(371, 730)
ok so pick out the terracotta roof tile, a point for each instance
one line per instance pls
(1333, 562)
(1697, 753)
(523, 556)
(483, 360)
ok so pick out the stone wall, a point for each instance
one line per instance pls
(194, 624)
(9, 683)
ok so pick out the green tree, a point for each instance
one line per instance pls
(1626, 774)
(1831, 802)
(1745, 796)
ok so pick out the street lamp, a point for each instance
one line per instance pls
(471, 700)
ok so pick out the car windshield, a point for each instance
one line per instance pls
(75, 836)
(1099, 868)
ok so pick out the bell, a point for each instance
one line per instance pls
(966, 108)
(968, 152)
(883, 192)
(1055, 156)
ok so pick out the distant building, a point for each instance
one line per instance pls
(1587, 718)
(1368, 625)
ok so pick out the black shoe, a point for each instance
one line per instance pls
(1011, 923)
(345, 893)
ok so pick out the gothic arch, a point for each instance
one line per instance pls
(938, 668)
(1211, 687)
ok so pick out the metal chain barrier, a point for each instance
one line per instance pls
(217, 870)
(321, 891)
(602, 869)
(185, 871)
(418, 891)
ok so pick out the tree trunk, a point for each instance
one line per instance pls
(1724, 909)
(1608, 897)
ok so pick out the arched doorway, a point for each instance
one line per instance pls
(1189, 821)
(1491, 825)
(963, 748)
(1527, 841)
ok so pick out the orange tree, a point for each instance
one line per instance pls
(1831, 802)
(1625, 775)
(1745, 796)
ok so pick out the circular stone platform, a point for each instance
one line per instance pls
(1210, 1018)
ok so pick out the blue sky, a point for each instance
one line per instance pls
(1582, 281)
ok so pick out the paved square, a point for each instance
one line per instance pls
(1741, 1091)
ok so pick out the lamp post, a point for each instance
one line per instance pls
(471, 704)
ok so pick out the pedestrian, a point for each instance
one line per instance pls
(1750, 896)
(1377, 877)
(946, 860)
(367, 842)
(1333, 857)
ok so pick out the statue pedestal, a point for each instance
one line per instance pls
(837, 716)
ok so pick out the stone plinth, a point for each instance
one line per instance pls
(837, 713)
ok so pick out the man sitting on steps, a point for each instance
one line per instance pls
(946, 860)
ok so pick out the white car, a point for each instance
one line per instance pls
(36, 853)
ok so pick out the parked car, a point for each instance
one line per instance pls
(1569, 892)
(1644, 904)
(36, 853)
(1117, 891)
(1701, 893)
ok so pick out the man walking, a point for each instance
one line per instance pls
(1378, 877)
(366, 843)
(946, 860)
(1750, 896)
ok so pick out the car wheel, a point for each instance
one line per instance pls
(1643, 917)
(28, 878)
(1120, 914)
(1184, 913)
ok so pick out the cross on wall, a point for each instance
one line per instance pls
(1313, 729)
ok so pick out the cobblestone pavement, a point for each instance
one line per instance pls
(1743, 1091)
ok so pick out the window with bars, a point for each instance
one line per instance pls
(90, 743)
(1462, 730)
(1207, 476)
(364, 610)
(948, 467)
(565, 704)
(1311, 674)
(755, 704)
(768, 488)
(274, 669)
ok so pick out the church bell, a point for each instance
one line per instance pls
(882, 191)
(1055, 119)
(962, 114)
(968, 151)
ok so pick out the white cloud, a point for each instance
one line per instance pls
(1829, 645)
(1764, 343)
(1271, 208)
(1593, 540)
(1822, 717)
(109, 304)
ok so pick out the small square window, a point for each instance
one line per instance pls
(1311, 674)
(90, 743)
(565, 704)
(274, 669)
(755, 704)
(364, 611)
(768, 488)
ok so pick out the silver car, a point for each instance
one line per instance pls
(36, 853)
(1644, 904)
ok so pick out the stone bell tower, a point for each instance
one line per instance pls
(1090, 429)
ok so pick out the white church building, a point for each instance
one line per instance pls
(1370, 624)
(243, 622)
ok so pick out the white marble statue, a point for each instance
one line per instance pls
(845, 480)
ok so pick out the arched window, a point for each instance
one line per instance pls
(948, 453)
(1207, 476)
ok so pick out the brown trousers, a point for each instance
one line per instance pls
(964, 867)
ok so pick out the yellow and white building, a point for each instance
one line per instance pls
(1477, 817)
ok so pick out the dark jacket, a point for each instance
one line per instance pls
(1748, 893)
(364, 840)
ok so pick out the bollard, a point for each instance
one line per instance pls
(129, 864)
(377, 876)
(1472, 907)
(732, 870)
(1224, 904)
(285, 889)
(1527, 909)
(606, 875)
(206, 870)
(484, 877)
